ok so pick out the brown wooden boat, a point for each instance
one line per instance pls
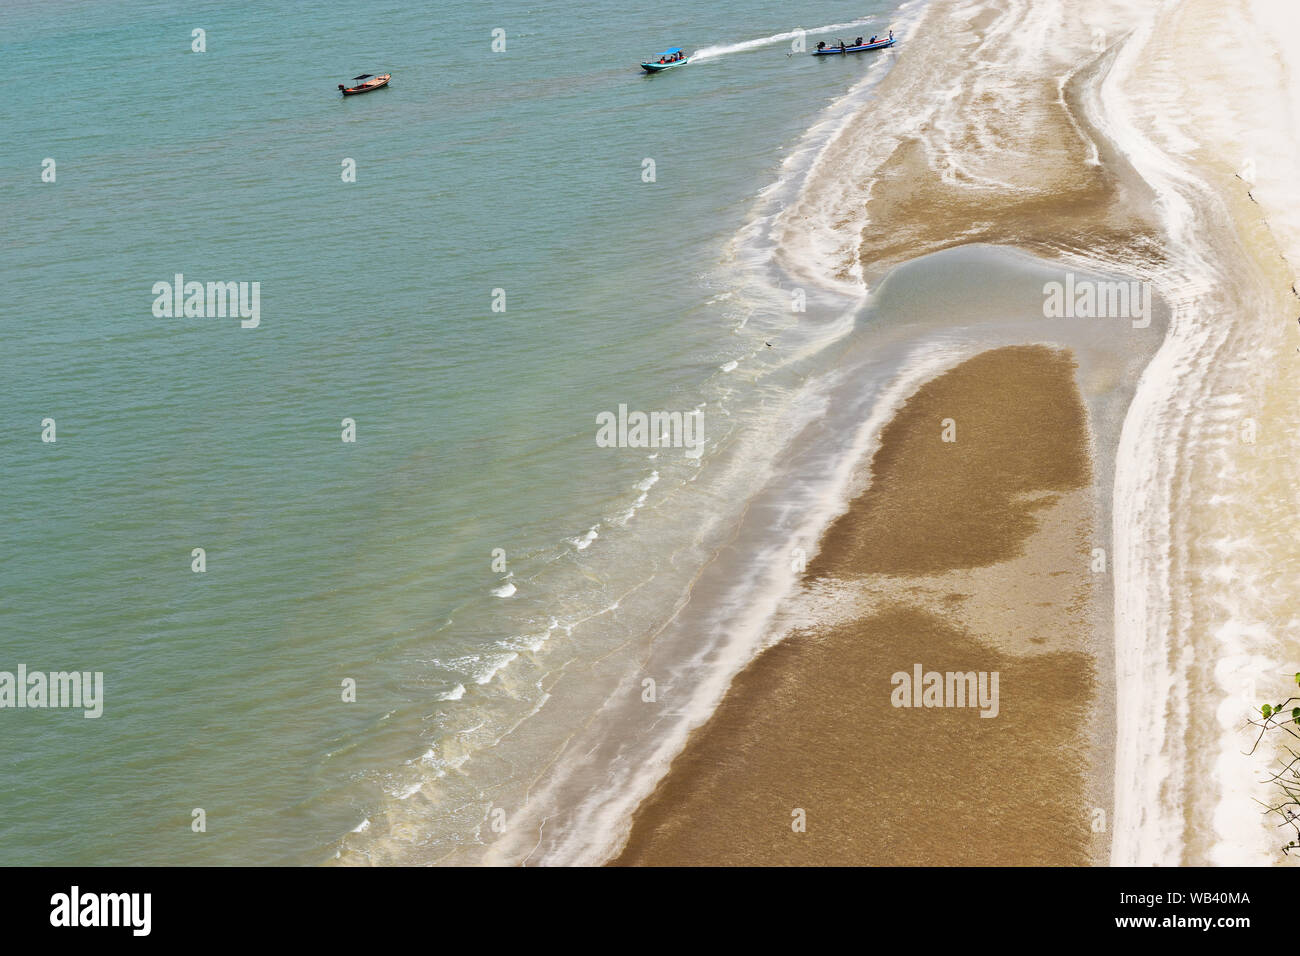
(365, 83)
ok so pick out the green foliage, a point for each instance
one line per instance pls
(1285, 806)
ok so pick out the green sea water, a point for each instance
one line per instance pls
(499, 272)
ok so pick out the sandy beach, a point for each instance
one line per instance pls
(1205, 520)
(1111, 147)
(974, 555)
(987, 554)
(969, 555)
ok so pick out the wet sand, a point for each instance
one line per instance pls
(998, 150)
(972, 555)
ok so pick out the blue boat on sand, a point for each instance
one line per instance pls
(825, 49)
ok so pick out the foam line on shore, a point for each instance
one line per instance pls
(1169, 613)
(918, 564)
(596, 830)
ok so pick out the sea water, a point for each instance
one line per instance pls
(329, 565)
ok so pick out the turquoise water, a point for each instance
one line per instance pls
(326, 560)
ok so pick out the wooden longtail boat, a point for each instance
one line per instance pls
(369, 82)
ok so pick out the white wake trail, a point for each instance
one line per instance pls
(723, 49)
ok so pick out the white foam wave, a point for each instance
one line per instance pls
(491, 665)
(597, 827)
(724, 49)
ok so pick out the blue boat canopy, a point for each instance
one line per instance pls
(672, 50)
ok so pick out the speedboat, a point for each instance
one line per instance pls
(365, 83)
(666, 61)
(825, 49)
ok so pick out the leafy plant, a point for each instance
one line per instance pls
(1284, 717)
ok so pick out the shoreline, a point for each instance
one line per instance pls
(1207, 534)
(1199, 622)
(1113, 225)
(913, 463)
(922, 569)
(1109, 225)
(591, 808)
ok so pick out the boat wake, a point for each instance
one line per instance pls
(725, 49)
